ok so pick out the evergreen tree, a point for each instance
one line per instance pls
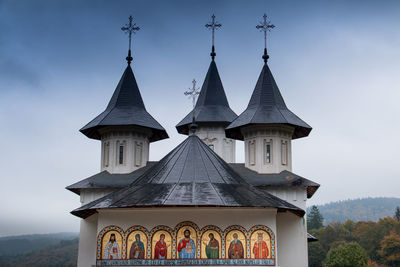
(314, 219)
(397, 214)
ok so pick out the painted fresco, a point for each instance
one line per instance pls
(187, 242)
(162, 245)
(211, 242)
(260, 243)
(235, 245)
(112, 244)
(137, 244)
(187, 239)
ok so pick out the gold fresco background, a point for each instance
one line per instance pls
(131, 239)
(254, 239)
(106, 239)
(180, 236)
(168, 241)
(229, 238)
(206, 239)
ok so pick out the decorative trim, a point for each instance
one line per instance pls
(174, 240)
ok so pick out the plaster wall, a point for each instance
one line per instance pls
(292, 240)
(280, 140)
(215, 137)
(88, 242)
(89, 195)
(294, 195)
(135, 151)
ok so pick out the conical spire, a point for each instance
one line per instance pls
(267, 107)
(126, 108)
(212, 105)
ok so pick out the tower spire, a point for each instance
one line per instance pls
(192, 93)
(130, 28)
(265, 27)
(213, 25)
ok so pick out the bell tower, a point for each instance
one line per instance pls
(125, 128)
(267, 126)
(212, 112)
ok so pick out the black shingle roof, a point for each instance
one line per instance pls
(212, 104)
(267, 106)
(105, 179)
(126, 108)
(190, 175)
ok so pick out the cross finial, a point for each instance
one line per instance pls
(193, 93)
(213, 26)
(130, 28)
(265, 27)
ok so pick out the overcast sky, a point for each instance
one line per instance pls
(337, 64)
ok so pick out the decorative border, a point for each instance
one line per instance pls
(188, 262)
(175, 261)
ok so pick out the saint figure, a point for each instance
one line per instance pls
(212, 249)
(236, 250)
(186, 247)
(112, 251)
(161, 249)
(137, 249)
(260, 248)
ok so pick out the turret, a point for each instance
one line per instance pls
(125, 128)
(212, 112)
(267, 126)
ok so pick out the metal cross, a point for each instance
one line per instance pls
(130, 28)
(265, 27)
(193, 92)
(213, 25)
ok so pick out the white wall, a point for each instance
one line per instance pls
(292, 240)
(136, 149)
(88, 242)
(223, 146)
(255, 139)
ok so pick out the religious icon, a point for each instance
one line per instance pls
(236, 249)
(186, 246)
(137, 249)
(138, 241)
(112, 248)
(211, 245)
(161, 245)
(260, 248)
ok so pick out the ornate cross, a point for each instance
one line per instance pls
(213, 26)
(193, 92)
(265, 27)
(130, 28)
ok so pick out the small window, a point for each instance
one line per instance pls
(211, 146)
(284, 152)
(252, 153)
(106, 154)
(268, 153)
(121, 155)
(138, 154)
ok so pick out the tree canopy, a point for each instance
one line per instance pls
(314, 219)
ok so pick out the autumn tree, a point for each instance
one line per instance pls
(347, 255)
(390, 249)
(314, 219)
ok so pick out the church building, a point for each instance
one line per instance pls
(196, 206)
